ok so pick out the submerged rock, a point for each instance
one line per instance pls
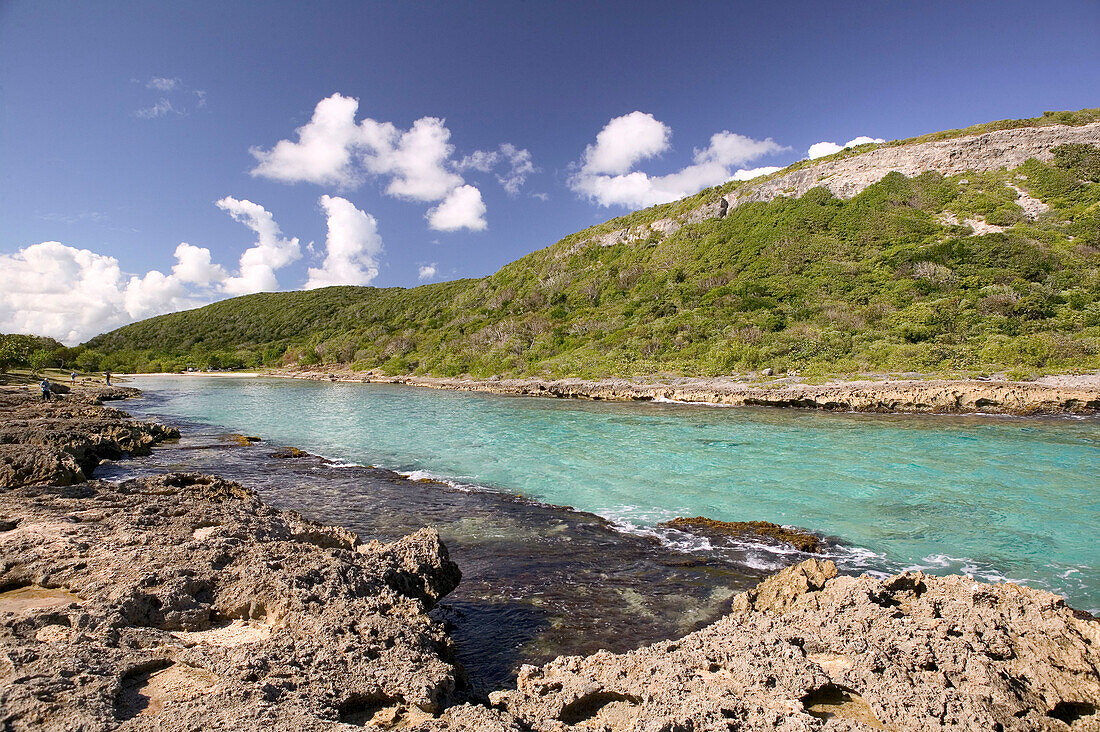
(289, 453)
(243, 440)
(800, 539)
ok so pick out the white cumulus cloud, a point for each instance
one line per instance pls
(352, 248)
(418, 163)
(323, 152)
(755, 172)
(72, 294)
(270, 252)
(193, 266)
(821, 149)
(426, 271)
(605, 174)
(625, 141)
(463, 209)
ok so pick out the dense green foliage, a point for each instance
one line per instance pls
(885, 281)
(33, 352)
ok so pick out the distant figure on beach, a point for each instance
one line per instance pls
(45, 390)
(72, 376)
(108, 375)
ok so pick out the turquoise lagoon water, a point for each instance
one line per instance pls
(997, 498)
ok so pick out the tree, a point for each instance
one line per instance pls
(88, 361)
(40, 359)
(12, 353)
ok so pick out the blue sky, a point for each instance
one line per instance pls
(123, 124)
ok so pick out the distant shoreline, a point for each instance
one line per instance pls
(1068, 394)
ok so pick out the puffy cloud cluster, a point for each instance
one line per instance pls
(269, 253)
(333, 149)
(463, 209)
(353, 246)
(515, 164)
(426, 271)
(72, 294)
(821, 149)
(606, 173)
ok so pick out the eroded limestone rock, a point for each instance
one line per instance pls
(116, 614)
(808, 650)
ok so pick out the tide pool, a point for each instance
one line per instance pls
(997, 498)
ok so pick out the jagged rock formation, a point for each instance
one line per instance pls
(931, 396)
(181, 602)
(808, 650)
(60, 442)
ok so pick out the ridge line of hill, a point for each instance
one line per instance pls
(962, 253)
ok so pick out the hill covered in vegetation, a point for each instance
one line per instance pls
(980, 271)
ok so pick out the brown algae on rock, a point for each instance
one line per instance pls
(243, 440)
(800, 539)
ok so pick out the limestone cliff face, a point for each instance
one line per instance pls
(849, 176)
(989, 151)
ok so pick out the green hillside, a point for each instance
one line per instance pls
(884, 281)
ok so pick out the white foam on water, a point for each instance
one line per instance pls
(667, 400)
(424, 475)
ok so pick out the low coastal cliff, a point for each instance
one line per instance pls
(181, 602)
(908, 396)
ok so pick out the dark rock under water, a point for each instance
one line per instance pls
(538, 581)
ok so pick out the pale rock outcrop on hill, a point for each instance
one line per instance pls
(988, 151)
(849, 176)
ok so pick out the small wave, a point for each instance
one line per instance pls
(667, 400)
(963, 565)
(429, 477)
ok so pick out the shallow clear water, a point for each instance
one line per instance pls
(997, 498)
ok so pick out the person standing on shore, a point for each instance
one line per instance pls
(107, 374)
(72, 377)
(45, 389)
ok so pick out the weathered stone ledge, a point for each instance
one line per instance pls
(61, 441)
(903, 396)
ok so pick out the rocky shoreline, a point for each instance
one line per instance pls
(181, 601)
(1067, 395)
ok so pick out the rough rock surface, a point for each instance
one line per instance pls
(916, 396)
(989, 151)
(808, 650)
(800, 539)
(182, 602)
(61, 441)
